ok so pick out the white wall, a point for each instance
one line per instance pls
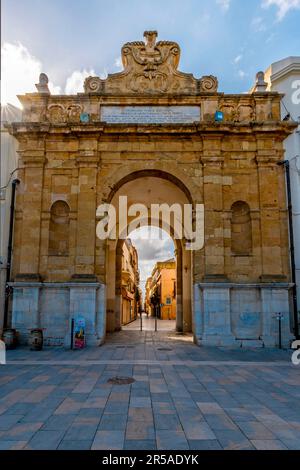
(8, 164)
(284, 77)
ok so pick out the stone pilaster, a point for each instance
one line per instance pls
(83, 303)
(197, 315)
(87, 161)
(270, 224)
(32, 189)
(216, 315)
(25, 309)
(213, 206)
(273, 301)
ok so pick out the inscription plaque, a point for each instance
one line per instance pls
(150, 114)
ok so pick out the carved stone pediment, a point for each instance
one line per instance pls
(150, 67)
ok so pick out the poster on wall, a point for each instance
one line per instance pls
(79, 333)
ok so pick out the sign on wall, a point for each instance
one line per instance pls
(79, 333)
(150, 114)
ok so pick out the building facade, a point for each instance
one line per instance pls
(147, 303)
(155, 135)
(163, 281)
(130, 283)
(284, 77)
(8, 173)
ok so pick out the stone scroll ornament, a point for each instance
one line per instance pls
(150, 67)
(209, 84)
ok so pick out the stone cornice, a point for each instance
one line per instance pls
(55, 284)
(98, 128)
(294, 67)
(232, 285)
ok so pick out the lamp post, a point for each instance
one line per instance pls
(9, 250)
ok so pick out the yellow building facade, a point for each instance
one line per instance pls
(130, 282)
(163, 281)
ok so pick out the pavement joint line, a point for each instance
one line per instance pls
(153, 362)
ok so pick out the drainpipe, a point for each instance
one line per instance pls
(286, 164)
(9, 250)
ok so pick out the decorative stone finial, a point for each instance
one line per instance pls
(150, 37)
(260, 84)
(42, 86)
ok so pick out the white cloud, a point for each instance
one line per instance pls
(238, 58)
(283, 6)
(103, 74)
(74, 83)
(242, 74)
(224, 4)
(258, 24)
(20, 72)
(152, 244)
(118, 63)
(54, 89)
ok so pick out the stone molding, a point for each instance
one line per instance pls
(260, 285)
(55, 284)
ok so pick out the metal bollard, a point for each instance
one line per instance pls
(72, 333)
(279, 317)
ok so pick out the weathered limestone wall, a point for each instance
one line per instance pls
(52, 306)
(241, 315)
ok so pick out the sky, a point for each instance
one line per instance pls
(70, 39)
(152, 244)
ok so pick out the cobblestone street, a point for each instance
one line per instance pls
(183, 396)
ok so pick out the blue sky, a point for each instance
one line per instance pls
(231, 39)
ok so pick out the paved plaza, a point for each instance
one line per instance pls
(183, 396)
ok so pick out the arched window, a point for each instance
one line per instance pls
(241, 229)
(59, 229)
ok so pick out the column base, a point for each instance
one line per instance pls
(217, 340)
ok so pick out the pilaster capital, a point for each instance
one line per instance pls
(32, 158)
(88, 158)
(266, 159)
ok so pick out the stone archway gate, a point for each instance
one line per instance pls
(223, 148)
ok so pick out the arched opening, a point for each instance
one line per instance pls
(153, 272)
(148, 190)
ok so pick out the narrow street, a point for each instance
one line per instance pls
(147, 323)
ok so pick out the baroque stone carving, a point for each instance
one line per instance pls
(56, 114)
(235, 110)
(230, 112)
(74, 111)
(245, 113)
(209, 84)
(150, 67)
(93, 84)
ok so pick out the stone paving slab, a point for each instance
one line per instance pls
(185, 398)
